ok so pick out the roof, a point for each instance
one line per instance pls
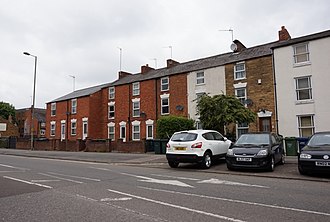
(81, 92)
(200, 64)
(306, 38)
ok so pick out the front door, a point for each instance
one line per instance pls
(85, 129)
(265, 124)
(62, 131)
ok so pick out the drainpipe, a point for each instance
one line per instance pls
(275, 93)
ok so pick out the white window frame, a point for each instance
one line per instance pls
(296, 54)
(85, 130)
(301, 128)
(122, 125)
(239, 128)
(308, 88)
(241, 72)
(165, 84)
(52, 128)
(164, 97)
(111, 113)
(74, 106)
(53, 109)
(111, 133)
(73, 130)
(63, 130)
(112, 92)
(149, 123)
(200, 78)
(136, 130)
(241, 98)
(136, 107)
(136, 88)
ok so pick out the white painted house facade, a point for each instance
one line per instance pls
(302, 73)
(209, 81)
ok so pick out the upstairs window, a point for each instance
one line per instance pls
(111, 92)
(74, 106)
(111, 110)
(165, 83)
(200, 78)
(53, 109)
(136, 89)
(301, 53)
(136, 108)
(303, 88)
(239, 71)
(165, 106)
(241, 94)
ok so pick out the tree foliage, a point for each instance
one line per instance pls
(7, 110)
(168, 125)
(221, 110)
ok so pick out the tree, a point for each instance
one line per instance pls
(168, 125)
(7, 110)
(219, 111)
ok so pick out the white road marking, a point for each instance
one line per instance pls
(176, 206)
(28, 182)
(115, 199)
(181, 178)
(44, 181)
(152, 180)
(61, 178)
(85, 178)
(240, 201)
(226, 182)
(18, 168)
(85, 198)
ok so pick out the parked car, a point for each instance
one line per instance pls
(196, 146)
(315, 156)
(256, 151)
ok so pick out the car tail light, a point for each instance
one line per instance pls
(197, 145)
(168, 146)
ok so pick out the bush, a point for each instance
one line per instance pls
(168, 125)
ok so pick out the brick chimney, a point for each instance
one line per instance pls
(283, 34)
(145, 69)
(123, 74)
(171, 63)
(240, 46)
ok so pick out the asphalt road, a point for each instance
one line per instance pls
(38, 189)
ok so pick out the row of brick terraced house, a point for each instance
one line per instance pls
(266, 78)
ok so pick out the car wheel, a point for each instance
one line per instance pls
(271, 165)
(229, 167)
(282, 161)
(207, 160)
(173, 164)
(301, 170)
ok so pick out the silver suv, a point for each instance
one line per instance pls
(196, 146)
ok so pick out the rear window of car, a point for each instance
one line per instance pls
(184, 137)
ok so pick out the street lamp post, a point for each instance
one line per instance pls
(34, 95)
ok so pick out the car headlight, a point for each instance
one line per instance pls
(262, 153)
(305, 156)
(230, 152)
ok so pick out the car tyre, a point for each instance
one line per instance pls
(173, 164)
(302, 171)
(282, 161)
(207, 160)
(271, 165)
(229, 167)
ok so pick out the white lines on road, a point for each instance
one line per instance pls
(180, 178)
(28, 182)
(115, 199)
(43, 181)
(78, 177)
(61, 178)
(226, 182)
(12, 167)
(176, 206)
(239, 201)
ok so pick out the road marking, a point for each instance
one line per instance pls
(152, 180)
(28, 182)
(115, 199)
(226, 182)
(85, 198)
(61, 178)
(181, 178)
(18, 168)
(85, 178)
(44, 181)
(176, 206)
(240, 201)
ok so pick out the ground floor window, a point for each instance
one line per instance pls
(306, 125)
(111, 131)
(52, 128)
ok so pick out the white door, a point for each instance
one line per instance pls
(62, 131)
(85, 129)
(123, 133)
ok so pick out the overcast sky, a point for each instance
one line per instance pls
(83, 38)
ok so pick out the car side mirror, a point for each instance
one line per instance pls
(225, 139)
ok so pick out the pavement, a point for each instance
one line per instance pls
(287, 171)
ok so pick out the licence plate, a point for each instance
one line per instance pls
(180, 148)
(322, 163)
(245, 159)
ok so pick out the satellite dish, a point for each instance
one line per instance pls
(233, 47)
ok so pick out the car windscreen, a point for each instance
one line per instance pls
(319, 140)
(255, 139)
(184, 137)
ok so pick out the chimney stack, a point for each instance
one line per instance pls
(123, 74)
(171, 63)
(283, 34)
(145, 69)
